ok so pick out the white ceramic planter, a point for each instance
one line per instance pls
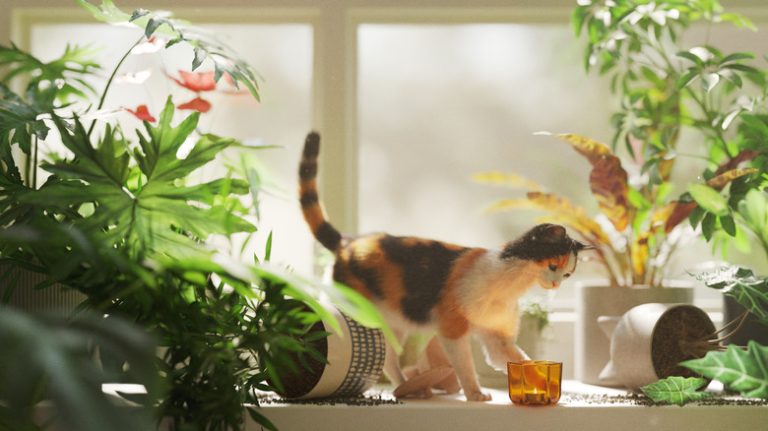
(592, 348)
(637, 342)
(355, 362)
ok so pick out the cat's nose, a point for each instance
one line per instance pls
(554, 285)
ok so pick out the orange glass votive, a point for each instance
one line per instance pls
(534, 383)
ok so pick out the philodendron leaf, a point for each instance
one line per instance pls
(676, 390)
(739, 370)
(742, 285)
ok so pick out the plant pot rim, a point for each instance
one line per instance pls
(666, 284)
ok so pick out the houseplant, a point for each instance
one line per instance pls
(664, 87)
(120, 221)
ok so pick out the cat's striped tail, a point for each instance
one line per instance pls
(328, 236)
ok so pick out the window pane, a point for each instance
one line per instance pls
(281, 53)
(438, 103)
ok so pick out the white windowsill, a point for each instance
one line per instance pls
(451, 412)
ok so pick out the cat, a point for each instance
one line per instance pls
(424, 285)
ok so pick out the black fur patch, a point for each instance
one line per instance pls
(544, 241)
(368, 276)
(328, 236)
(425, 267)
(307, 170)
(308, 198)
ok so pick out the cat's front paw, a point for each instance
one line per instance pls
(478, 396)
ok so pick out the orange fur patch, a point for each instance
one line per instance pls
(452, 322)
(559, 261)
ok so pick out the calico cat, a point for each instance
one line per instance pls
(422, 285)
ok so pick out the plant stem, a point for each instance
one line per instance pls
(34, 162)
(111, 78)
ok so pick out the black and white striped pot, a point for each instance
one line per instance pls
(355, 362)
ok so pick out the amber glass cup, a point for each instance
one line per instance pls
(534, 383)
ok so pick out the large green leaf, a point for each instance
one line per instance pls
(54, 352)
(742, 285)
(739, 370)
(346, 299)
(141, 202)
(709, 199)
(676, 390)
(754, 209)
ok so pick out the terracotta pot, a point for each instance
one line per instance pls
(649, 341)
(355, 362)
(592, 348)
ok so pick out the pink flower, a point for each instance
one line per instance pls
(142, 113)
(197, 104)
(196, 81)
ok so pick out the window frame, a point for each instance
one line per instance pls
(334, 92)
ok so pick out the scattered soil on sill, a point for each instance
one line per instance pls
(642, 400)
(366, 400)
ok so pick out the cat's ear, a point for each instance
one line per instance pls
(553, 232)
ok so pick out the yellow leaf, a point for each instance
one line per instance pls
(506, 179)
(607, 180)
(726, 177)
(589, 148)
(570, 214)
(639, 251)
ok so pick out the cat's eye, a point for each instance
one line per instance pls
(566, 275)
(552, 267)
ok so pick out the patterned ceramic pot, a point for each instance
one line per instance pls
(355, 362)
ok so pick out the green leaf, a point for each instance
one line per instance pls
(637, 199)
(739, 370)
(53, 353)
(754, 209)
(268, 248)
(691, 57)
(737, 56)
(743, 285)
(686, 78)
(676, 390)
(345, 298)
(728, 225)
(709, 199)
(205, 44)
(708, 224)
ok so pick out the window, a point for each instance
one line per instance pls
(282, 54)
(411, 102)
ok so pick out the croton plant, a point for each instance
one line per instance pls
(663, 87)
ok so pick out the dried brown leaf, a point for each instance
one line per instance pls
(608, 182)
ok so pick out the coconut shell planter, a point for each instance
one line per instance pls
(650, 340)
